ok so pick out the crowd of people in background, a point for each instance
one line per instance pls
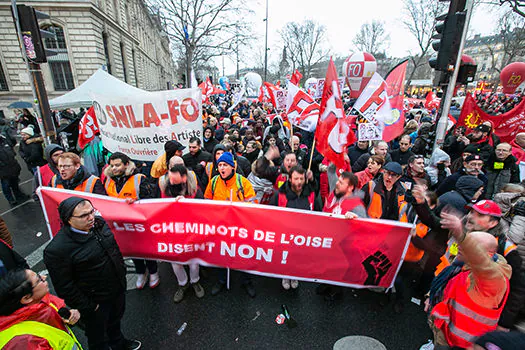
(497, 103)
(466, 259)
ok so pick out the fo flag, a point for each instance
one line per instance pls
(333, 133)
(88, 128)
(302, 110)
(395, 84)
(506, 125)
(373, 103)
(296, 77)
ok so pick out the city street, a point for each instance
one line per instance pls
(232, 319)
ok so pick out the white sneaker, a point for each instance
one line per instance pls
(141, 280)
(286, 284)
(154, 280)
(294, 284)
(427, 346)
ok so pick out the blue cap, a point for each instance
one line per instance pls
(227, 158)
(394, 167)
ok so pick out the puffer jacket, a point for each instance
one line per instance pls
(436, 175)
(32, 152)
(86, 269)
(498, 177)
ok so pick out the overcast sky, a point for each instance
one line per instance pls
(343, 20)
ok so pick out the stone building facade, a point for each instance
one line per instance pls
(121, 35)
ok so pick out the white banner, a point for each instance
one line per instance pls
(140, 125)
(319, 86)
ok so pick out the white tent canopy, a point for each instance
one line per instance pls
(100, 83)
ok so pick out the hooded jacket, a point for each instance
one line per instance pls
(465, 189)
(436, 175)
(32, 153)
(44, 173)
(210, 144)
(283, 133)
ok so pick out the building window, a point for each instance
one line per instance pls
(3, 80)
(106, 51)
(62, 76)
(59, 64)
(123, 58)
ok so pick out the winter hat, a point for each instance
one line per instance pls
(67, 207)
(29, 131)
(52, 149)
(227, 158)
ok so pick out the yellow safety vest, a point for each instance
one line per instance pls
(57, 338)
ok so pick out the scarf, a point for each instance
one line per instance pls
(440, 282)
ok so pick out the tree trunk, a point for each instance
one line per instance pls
(189, 58)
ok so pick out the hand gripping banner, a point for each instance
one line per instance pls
(263, 240)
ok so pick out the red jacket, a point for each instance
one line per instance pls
(518, 152)
(41, 312)
(363, 177)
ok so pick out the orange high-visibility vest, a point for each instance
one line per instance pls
(86, 186)
(375, 208)
(131, 188)
(459, 318)
(449, 256)
(415, 254)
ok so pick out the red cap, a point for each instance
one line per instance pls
(487, 207)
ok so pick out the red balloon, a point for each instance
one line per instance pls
(466, 59)
(512, 76)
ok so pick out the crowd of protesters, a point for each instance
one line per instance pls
(466, 259)
(497, 103)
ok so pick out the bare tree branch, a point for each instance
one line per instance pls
(372, 38)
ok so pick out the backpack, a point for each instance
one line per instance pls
(237, 180)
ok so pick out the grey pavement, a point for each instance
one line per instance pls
(232, 320)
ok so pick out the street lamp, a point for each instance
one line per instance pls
(266, 45)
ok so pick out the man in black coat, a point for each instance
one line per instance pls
(357, 150)
(403, 153)
(88, 272)
(501, 169)
(196, 158)
(9, 172)
(472, 165)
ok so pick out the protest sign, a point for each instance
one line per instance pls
(265, 240)
(140, 125)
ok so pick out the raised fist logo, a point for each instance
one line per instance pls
(376, 266)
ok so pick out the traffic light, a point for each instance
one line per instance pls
(32, 34)
(446, 42)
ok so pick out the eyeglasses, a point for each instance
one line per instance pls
(65, 166)
(41, 279)
(390, 174)
(86, 215)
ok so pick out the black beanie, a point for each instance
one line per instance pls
(67, 207)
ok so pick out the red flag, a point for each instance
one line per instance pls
(87, 128)
(270, 92)
(431, 101)
(395, 81)
(333, 132)
(506, 125)
(296, 77)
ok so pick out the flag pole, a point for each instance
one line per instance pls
(311, 155)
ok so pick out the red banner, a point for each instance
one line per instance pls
(506, 125)
(395, 82)
(264, 240)
(87, 128)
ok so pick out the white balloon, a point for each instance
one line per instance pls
(253, 82)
